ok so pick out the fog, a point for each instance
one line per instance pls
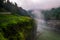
(37, 4)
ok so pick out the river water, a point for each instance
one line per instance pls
(43, 31)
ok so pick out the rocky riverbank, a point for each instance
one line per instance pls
(54, 24)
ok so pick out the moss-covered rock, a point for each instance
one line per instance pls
(14, 27)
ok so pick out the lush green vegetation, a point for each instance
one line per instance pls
(53, 14)
(14, 27)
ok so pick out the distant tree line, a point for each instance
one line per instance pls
(53, 14)
(13, 8)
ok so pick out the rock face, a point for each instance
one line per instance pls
(54, 24)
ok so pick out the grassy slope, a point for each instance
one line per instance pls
(14, 27)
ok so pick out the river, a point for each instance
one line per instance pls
(43, 31)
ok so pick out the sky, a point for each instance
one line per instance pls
(37, 4)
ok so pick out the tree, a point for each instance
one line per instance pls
(1, 3)
(53, 14)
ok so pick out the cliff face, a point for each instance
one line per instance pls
(14, 27)
(15, 23)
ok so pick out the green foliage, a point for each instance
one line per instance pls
(15, 27)
(53, 14)
(2, 37)
(11, 19)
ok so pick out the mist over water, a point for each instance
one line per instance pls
(41, 24)
(44, 32)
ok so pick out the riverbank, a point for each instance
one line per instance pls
(54, 24)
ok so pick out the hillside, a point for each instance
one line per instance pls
(14, 27)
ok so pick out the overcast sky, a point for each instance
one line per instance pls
(37, 4)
